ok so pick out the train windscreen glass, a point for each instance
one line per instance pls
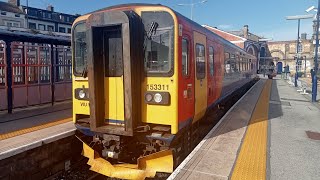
(158, 45)
(80, 50)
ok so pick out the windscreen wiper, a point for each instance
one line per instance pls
(84, 72)
(152, 31)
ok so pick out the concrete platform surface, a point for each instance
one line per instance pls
(293, 155)
(34, 116)
(12, 146)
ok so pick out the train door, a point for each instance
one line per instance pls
(200, 55)
(113, 72)
(210, 73)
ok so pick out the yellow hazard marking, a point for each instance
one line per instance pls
(32, 129)
(252, 159)
(146, 166)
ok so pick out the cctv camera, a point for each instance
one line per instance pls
(310, 9)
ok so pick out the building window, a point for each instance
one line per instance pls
(9, 24)
(12, 24)
(50, 28)
(61, 17)
(32, 26)
(41, 27)
(68, 19)
(200, 61)
(49, 15)
(3, 13)
(17, 15)
(62, 29)
(211, 60)
(185, 57)
(69, 30)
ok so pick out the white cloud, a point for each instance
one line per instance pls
(225, 26)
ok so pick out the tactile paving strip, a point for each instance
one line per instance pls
(32, 129)
(252, 159)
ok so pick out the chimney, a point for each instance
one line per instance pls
(304, 36)
(14, 2)
(245, 31)
(50, 8)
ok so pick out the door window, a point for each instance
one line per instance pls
(200, 61)
(185, 57)
(211, 60)
(113, 52)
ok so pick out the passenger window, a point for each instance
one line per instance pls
(185, 57)
(200, 61)
(227, 63)
(211, 60)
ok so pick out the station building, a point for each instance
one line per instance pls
(285, 52)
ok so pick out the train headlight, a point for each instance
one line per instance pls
(148, 97)
(157, 98)
(82, 94)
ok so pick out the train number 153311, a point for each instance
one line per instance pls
(158, 87)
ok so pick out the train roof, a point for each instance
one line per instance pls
(193, 23)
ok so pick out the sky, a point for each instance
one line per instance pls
(265, 18)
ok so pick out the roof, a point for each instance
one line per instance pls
(240, 33)
(23, 34)
(4, 6)
(45, 10)
(224, 32)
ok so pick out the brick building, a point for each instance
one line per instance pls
(285, 52)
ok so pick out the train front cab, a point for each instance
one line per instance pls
(126, 82)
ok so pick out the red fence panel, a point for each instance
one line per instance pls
(19, 88)
(45, 74)
(62, 73)
(3, 77)
(31, 73)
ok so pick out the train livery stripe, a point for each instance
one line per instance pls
(252, 159)
(32, 129)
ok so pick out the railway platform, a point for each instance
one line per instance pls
(272, 132)
(35, 140)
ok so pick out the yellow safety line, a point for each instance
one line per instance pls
(32, 129)
(252, 159)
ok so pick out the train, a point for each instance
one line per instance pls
(144, 77)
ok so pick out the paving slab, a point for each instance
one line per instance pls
(292, 154)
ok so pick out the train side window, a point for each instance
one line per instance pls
(200, 61)
(185, 57)
(211, 60)
(227, 63)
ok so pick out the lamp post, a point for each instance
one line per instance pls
(192, 4)
(305, 66)
(298, 17)
(315, 72)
